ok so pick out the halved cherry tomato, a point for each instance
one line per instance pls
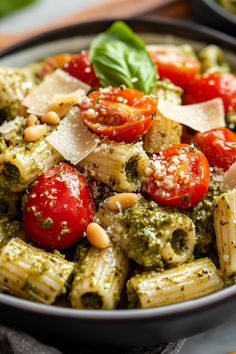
(209, 86)
(175, 66)
(52, 63)
(120, 114)
(58, 208)
(178, 177)
(218, 145)
(82, 69)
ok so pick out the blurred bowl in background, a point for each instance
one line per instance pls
(211, 13)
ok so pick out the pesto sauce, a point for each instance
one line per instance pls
(131, 169)
(46, 223)
(91, 301)
(166, 90)
(9, 176)
(228, 5)
(133, 299)
(81, 252)
(147, 230)
(202, 216)
(230, 120)
(8, 230)
(177, 241)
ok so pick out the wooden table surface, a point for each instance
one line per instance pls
(109, 9)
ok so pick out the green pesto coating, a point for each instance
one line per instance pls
(15, 84)
(166, 90)
(230, 120)
(8, 230)
(81, 251)
(133, 299)
(91, 301)
(143, 231)
(10, 204)
(202, 216)
(131, 169)
(229, 5)
(9, 176)
(212, 60)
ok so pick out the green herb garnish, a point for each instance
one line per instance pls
(120, 57)
(8, 6)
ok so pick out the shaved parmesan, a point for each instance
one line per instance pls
(14, 124)
(201, 117)
(58, 83)
(72, 139)
(229, 180)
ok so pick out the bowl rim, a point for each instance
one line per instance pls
(220, 10)
(189, 28)
(172, 310)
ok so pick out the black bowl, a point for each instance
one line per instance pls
(120, 327)
(210, 13)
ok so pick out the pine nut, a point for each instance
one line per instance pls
(22, 111)
(97, 236)
(61, 105)
(122, 200)
(51, 118)
(34, 133)
(31, 120)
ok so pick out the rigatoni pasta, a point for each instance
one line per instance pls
(100, 199)
(185, 282)
(99, 278)
(15, 84)
(149, 234)
(118, 165)
(33, 274)
(162, 134)
(225, 228)
(21, 164)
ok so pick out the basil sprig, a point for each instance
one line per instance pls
(8, 6)
(119, 57)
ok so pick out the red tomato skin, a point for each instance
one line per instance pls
(184, 186)
(120, 114)
(175, 66)
(58, 208)
(52, 63)
(81, 68)
(209, 86)
(217, 146)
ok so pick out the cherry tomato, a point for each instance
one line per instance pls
(219, 146)
(209, 86)
(52, 63)
(175, 66)
(187, 135)
(58, 208)
(120, 114)
(178, 177)
(82, 69)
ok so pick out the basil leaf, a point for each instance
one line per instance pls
(6, 7)
(119, 57)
